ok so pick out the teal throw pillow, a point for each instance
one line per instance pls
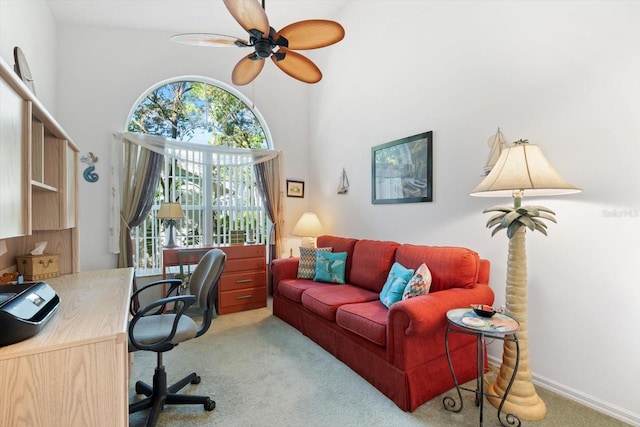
(396, 282)
(330, 266)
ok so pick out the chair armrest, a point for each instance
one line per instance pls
(416, 327)
(183, 302)
(174, 285)
(283, 269)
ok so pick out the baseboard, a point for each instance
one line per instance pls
(580, 397)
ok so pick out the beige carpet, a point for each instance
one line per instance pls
(262, 372)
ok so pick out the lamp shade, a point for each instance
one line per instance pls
(307, 226)
(523, 168)
(170, 211)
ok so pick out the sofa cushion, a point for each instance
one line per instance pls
(339, 244)
(367, 319)
(307, 263)
(294, 288)
(419, 284)
(372, 260)
(325, 300)
(451, 267)
(330, 267)
(396, 282)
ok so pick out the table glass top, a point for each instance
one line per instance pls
(499, 323)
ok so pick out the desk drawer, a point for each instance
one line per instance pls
(244, 251)
(243, 299)
(232, 282)
(245, 264)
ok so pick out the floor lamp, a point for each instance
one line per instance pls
(521, 169)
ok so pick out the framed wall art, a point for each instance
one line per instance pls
(295, 188)
(402, 170)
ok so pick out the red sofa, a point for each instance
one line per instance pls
(399, 350)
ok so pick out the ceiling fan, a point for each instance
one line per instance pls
(266, 42)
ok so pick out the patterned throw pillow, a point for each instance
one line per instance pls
(330, 267)
(307, 264)
(419, 283)
(396, 282)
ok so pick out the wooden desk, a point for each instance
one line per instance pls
(243, 284)
(74, 372)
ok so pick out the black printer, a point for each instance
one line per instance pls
(24, 310)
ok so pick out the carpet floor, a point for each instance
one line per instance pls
(262, 372)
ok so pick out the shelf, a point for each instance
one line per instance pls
(38, 186)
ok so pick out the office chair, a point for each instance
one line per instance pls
(158, 327)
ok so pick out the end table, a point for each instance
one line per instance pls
(500, 326)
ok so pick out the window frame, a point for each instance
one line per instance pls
(152, 232)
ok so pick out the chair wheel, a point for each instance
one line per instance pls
(196, 380)
(210, 405)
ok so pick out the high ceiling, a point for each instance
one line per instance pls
(180, 16)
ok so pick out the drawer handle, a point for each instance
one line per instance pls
(245, 297)
(244, 281)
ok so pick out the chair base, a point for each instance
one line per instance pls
(160, 395)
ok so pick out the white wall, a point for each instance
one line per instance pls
(561, 74)
(30, 26)
(104, 71)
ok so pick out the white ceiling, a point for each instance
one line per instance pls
(179, 16)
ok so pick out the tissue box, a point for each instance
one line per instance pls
(38, 267)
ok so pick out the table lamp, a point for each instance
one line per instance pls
(308, 227)
(170, 212)
(521, 169)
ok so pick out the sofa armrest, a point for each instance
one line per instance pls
(417, 325)
(283, 269)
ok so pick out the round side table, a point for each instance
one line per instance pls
(499, 326)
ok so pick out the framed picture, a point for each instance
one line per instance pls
(295, 188)
(401, 170)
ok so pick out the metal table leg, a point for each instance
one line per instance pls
(449, 402)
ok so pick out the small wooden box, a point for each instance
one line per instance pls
(237, 237)
(38, 267)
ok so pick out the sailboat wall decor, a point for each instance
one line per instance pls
(496, 143)
(343, 184)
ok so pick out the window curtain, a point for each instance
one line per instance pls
(268, 176)
(143, 160)
(209, 154)
(142, 169)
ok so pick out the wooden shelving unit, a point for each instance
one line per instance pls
(39, 183)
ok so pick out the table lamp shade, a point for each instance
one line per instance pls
(523, 167)
(170, 211)
(308, 226)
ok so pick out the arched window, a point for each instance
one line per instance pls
(216, 199)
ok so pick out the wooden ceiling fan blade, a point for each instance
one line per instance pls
(249, 14)
(311, 34)
(247, 69)
(297, 66)
(208, 39)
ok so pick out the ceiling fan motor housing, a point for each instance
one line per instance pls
(264, 45)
